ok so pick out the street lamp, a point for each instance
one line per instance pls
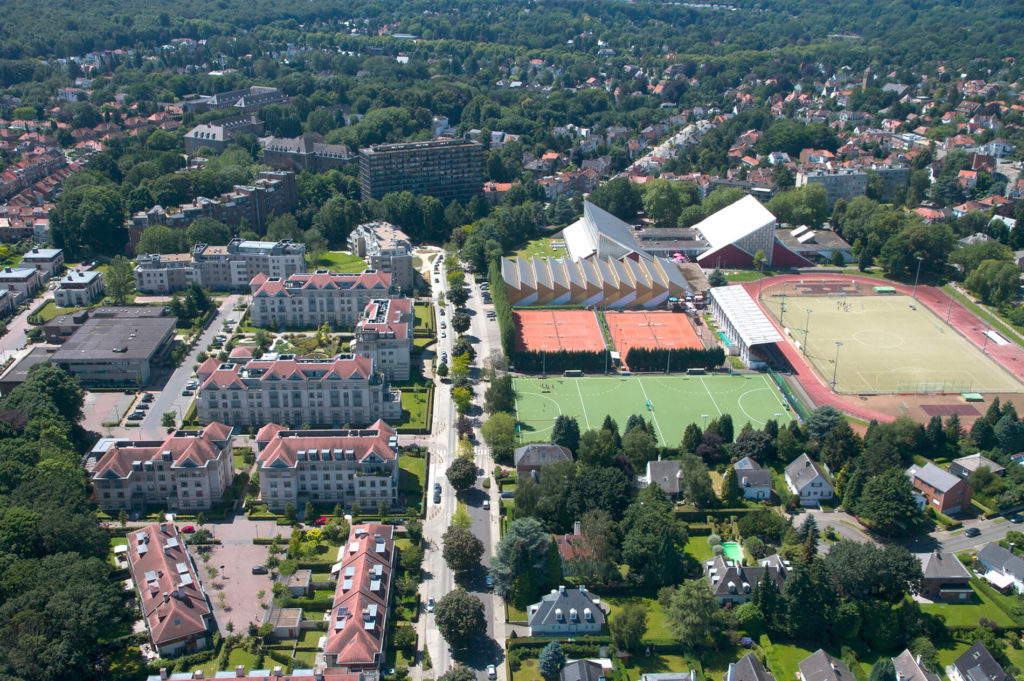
(705, 417)
(917, 276)
(807, 325)
(835, 367)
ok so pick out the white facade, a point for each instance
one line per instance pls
(79, 289)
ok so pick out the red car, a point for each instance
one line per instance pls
(321, 521)
(188, 529)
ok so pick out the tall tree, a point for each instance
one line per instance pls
(461, 473)
(461, 549)
(119, 279)
(459, 616)
(694, 617)
(628, 627)
(566, 432)
(518, 566)
(551, 661)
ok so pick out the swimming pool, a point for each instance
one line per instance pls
(732, 551)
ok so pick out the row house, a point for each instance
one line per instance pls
(188, 471)
(328, 466)
(384, 334)
(27, 172)
(317, 298)
(345, 389)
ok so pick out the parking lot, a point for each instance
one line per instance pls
(100, 408)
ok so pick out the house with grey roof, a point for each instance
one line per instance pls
(731, 582)
(664, 474)
(939, 489)
(670, 676)
(810, 480)
(945, 577)
(1003, 568)
(566, 612)
(977, 664)
(748, 668)
(753, 481)
(820, 666)
(584, 670)
(965, 465)
(910, 668)
(529, 459)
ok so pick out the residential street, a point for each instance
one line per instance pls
(18, 327)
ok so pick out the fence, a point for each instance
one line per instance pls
(796, 405)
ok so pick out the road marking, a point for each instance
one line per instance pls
(582, 403)
(710, 395)
(653, 415)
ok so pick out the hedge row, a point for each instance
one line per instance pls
(673, 359)
(502, 309)
(532, 361)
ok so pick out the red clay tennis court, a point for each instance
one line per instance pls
(650, 330)
(543, 330)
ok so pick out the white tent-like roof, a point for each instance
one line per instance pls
(750, 322)
(599, 231)
(734, 222)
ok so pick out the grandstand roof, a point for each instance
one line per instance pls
(750, 322)
(734, 222)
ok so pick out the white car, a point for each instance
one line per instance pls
(430, 604)
(492, 673)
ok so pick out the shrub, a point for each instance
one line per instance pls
(714, 539)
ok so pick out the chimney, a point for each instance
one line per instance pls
(277, 672)
(198, 674)
(918, 660)
(167, 597)
(576, 529)
(163, 673)
(240, 670)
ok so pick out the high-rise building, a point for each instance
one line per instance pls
(447, 169)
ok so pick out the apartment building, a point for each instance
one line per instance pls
(172, 600)
(308, 152)
(187, 471)
(216, 135)
(219, 268)
(385, 248)
(328, 466)
(849, 183)
(48, 261)
(345, 389)
(451, 170)
(7, 304)
(384, 334)
(22, 282)
(250, 99)
(79, 289)
(357, 627)
(316, 298)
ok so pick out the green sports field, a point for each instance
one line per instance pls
(676, 401)
(889, 344)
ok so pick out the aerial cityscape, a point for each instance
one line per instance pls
(605, 340)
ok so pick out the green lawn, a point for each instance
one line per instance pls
(656, 626)
(50, 310)
(413, 478)
(414, 408)
(946, 656)
(968, 614)
(424, 318)
(740, 276)
(310, 638)
(783, 658)
(656, 664)
(542, 248)
(339, 262)
(527, 672)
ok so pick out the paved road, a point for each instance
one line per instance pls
(18, 327)
(168, 395)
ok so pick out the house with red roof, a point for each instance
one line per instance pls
(344, 389)
(328, 466)
(174, 605)
(357, 629)
(311, 299)
(186, 471)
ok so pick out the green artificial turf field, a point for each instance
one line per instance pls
(676, 401)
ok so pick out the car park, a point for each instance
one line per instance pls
(136, 416)
(147, 397)
(141, 406)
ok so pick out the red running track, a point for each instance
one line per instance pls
(1010, 356)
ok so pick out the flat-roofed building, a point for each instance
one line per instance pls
(114, 352)
(49, 261)
(188, 471)
(345, 389)
(385, 335)
(448, 169)
(79, 288)
(328, 466)
(385, 248)
(22, 282)
(219, 268)
(7, 304)
(315, 298)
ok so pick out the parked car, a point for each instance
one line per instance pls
(444, 334)
(320, 521)
(136, 416)
(489, 580)
(147, 397)
(430, 604)
(444, 325)
(492, 673)
(187, 393)
(972, 532)
(259, 570)
(188, 529)
(142, 406)
(1016, 518)
(487, 504)
(442, 311)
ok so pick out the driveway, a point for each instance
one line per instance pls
(234, 559)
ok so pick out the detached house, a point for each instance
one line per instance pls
(910, 668)
(939, 489)
(664, 474)
(748, 668)
(809, 480)
(530, 459)
(945, 578)
(1004, 569)
(733, 583)
(977, 664)
(566, 612)
(965, 465)
(753, 481)
(820, 666)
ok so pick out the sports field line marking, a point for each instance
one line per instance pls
(768, 383)
(710, 395)
(653, 415)
(583, 404)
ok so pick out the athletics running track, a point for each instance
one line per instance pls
(1009, 356)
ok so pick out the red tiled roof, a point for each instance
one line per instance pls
(172, 600)
(187, 448)
(275, 286)
(363, 443)
(214, 375)
(397, 316)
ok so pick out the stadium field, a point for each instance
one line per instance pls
(675, 401)
(888, 344)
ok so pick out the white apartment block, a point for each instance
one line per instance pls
(22, 282)
(385, 335)
(385, 248)
(79, 289)
(328, 466)
(313, 299)
(188, 471)
(219, 268)
(342, 390)
(49, 261)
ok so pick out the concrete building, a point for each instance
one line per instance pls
(305, 300)
(219, 268)
(450, 170)
(328, 466)
(385, 248)
(218, 134)
(384, 334)
(49, 261)
(173, 603)
(185, 472)
(113, 352)
(358, 620)
(22, 282)
(308, 152)
(849, 183)
(79, 288)
(345, 389)
(7, 304)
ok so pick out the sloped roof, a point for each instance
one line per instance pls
(185, 448)
(541, 455)
(283, 446)
(803, 470)
(734, 222)
(543, 613)
(977, 664)
(939, 565)
(996, 556)
(933, 476)
(820, 666)
(748, 668)
(583, 236)
(750, 322)
(908, 668)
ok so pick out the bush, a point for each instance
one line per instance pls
(714, 539)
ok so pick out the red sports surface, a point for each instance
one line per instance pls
(650, 330)
(543, 330)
